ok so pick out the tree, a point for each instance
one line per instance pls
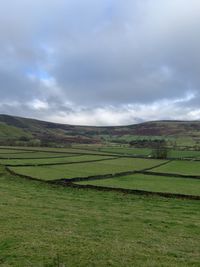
(160, 150)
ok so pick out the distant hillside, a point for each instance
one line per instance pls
(23, 130)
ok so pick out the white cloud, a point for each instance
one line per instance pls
(128, 114)
(38, 105)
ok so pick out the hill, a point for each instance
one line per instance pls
(18, 130)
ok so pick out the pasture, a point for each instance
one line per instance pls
(180, 167)
(150, 183)
(45, 224)
(54, 160)
(184, 154)
(127, 151)
(103, 167)
(42, 225)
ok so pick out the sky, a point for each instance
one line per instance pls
(100, 62)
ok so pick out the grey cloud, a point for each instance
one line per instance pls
(100, 54)
(13, 86)
(128, 63)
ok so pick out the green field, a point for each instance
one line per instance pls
(35, 155)
(12, 131)
(44, 225)
(180, 167)
(143, 151)
(150, 183)
(40, 223)
(69, 150)
(93, 149)
(86, 169)
(127, 151)
(184, 154)
(10, 151)
(49, 222)
(52, 160)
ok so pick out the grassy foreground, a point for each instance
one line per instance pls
(40, 223)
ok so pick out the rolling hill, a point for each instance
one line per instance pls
(19, 130)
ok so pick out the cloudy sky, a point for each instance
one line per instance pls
(100, 62)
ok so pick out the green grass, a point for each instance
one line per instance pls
(127, 151)
(35, 155)
(151, 183)
(12, 132)
(180, 167)
(86, 169)
(146, 152)
(184, 154)
(10, 151)
(38, 223)
(66, 159)
(54, 150)
(186, 140)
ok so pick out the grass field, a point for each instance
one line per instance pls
(151, 183)
(35, 155)
(52, 160)
(40, 223)
(87, 169)
(47, 223)
(184, 154)
(127, 151)
(84, 150)
(144, 151)
(147, 152)
(10, 151)
(180, 167)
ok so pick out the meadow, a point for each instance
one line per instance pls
(32, 155)
(54, 160)
(180, 167)
(127, 151)
(150, 183)
(184, 154)
(70, 171)
(43, 225)
(49, 225)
